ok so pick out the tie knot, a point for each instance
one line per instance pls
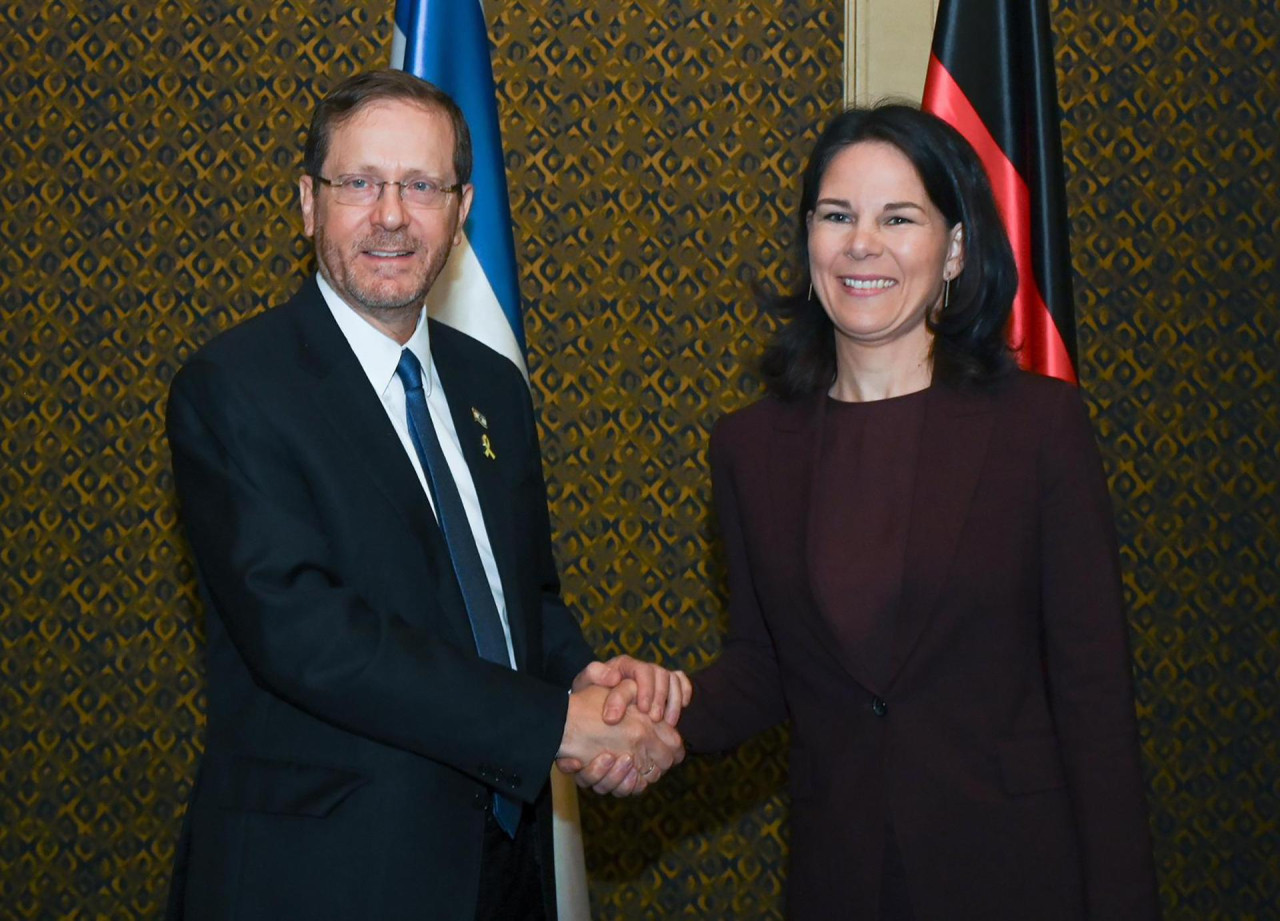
(409, 371)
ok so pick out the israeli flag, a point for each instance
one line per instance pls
(478, 292)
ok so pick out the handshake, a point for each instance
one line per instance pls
(620, 736)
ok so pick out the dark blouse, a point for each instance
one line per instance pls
(861, 503)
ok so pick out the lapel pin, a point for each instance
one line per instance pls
(479, 417)
(488, 448)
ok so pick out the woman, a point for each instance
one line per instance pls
(923, 572)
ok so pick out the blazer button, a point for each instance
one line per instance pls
(878, 706)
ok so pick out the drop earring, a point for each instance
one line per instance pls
(810, 297)
(946, 292)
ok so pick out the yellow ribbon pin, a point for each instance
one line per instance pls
(488, 448)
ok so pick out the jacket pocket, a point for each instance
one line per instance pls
(1030, 765)
(288, 788)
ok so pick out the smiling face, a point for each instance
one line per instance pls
(879, 250)
(383, 258)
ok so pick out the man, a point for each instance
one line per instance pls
(389, 659)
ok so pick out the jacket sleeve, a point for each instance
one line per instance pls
(740, 694)
(272, 575)
(1088, 664)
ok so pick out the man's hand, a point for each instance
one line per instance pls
(623, 757)
(661, 693)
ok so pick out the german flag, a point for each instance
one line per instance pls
(991, 77)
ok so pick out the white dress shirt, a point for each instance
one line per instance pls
(379, 355)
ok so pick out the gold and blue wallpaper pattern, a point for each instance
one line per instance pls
(148, 161)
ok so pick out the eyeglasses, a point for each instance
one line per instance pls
(365, 190)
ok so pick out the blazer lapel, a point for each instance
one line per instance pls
(953, 450)
(793, 464)
(341, 395)
(806, 453)
(792, 460)
(487, 475)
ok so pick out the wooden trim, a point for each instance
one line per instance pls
(886, 46)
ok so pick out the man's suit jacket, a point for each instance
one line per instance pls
(1003, 750)
(354, 734)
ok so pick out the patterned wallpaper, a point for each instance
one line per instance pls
(147, 161)
(1171, 136)
(148, 156)
(655, 149)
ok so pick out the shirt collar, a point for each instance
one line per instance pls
(377, 352)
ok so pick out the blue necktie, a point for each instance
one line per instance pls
(486, 624)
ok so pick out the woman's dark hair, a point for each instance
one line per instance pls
(346, 99)
(968, 344)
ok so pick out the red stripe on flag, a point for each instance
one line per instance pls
(1031, 328)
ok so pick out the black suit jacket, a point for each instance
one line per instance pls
(1003, 749)
(354, 734)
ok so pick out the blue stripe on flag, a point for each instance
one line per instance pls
(447, 43)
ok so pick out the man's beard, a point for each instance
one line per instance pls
(376, 298)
